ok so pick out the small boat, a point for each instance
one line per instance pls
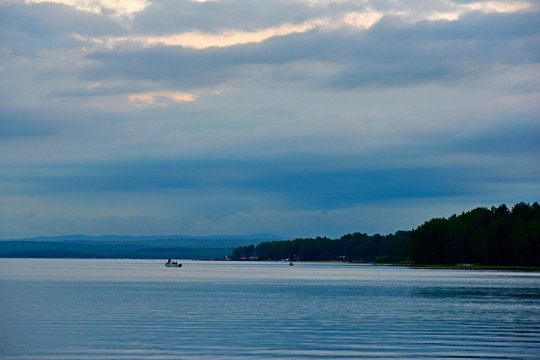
(171, 263)
(291, 264)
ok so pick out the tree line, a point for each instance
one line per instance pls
(496, 236)
(351, 247)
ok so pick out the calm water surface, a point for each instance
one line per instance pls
(139, 309)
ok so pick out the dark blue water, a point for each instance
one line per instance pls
(138, 309)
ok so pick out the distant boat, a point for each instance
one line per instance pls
(291, 264)
(170, 263)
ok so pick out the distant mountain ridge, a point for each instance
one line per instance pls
(126, 246)
(100, 238)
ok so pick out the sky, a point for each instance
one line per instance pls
(298, 118)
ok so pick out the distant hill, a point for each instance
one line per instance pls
(264, 237)
(208, 240)
(137, 247)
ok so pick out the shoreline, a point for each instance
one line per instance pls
(468, 267)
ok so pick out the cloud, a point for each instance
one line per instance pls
(389, 54)
(225, 38)
(116, 7)
(449, 51)
(301, 181)
(218, 16)
(52, 24)
(363, 19)
(20, 123)
(157, 98)
(294, 117)
(298, 202)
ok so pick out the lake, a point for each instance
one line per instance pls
(139, 309)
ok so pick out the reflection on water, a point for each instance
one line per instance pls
(131, 309)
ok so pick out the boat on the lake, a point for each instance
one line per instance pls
(171, 263)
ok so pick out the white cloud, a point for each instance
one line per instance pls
(159, 98)
(498, 6)
(487, 7)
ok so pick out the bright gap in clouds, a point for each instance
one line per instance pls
(484, 7)
(159, 98)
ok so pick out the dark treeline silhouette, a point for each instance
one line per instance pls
(495, 236)
(492, 237)
(351, 247)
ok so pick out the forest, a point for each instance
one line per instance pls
(496, 236)
(351, 247)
